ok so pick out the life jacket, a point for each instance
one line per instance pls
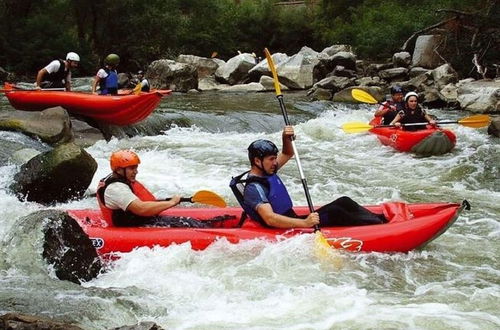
(109, 85)
(277, 195)
(58, 77)
(119, 217)
(394, 108)
(410, 117)
(145, 86)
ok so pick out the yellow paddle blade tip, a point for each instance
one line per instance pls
(209, 198)
(326, 253)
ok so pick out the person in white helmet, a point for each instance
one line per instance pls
(57, 74)
(412, 113)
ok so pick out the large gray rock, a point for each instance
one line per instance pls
(494, 128)
(334, 83)
(444, 75)
(424, 54)
(16, 321)
(168, 74)
(52, 125)
(262, 68)
(297, 71)
(236, 69)
(480, 96)
(326, 65)
(401, 59)
(57, 245)
(58, 175)
(205, 66)
(394, 74)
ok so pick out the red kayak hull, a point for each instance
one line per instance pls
(431, 141)
(117, 110)
(410, 226)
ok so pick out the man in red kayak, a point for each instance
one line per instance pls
(125, 202)
(264, 197)
(57, 74)
(390, 108)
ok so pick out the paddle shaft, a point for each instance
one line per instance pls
(418, 124)
(297, 158)
(183, 199)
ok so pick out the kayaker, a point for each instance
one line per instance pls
(412, 113)
(143, 81)
(107, 77)
(125, 202)
(57, 74)
(264, 198)
(390, 108)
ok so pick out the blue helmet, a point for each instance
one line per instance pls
(396, 90)
(261, 149)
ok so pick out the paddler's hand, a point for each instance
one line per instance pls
(288, 132)
(176, 199)
(432, 122)
(312, 219)
(398, 124)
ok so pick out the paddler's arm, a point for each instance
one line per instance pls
(287, 149)
(152, 208)
(281, 221)
(39, 77)
(94, 84)
(396, 120)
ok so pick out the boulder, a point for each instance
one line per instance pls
(268, 83)
(334, 83)
(417, 71)
(210, 84)
(168, 74)
(250, 87)
(297, 71)
(321, 94)
(204, 66)
(59, 175)
(16, 321)
(235, 70)
(58, 246)
(262, 68)
(394, 74)
(494, 128)
(424, 54)
(444, 75)
(401, 59)
(52, 125)
(481, 96)
(325, 65)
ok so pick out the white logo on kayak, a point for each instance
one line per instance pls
(97, 242)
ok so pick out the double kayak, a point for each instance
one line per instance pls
(409, 227)
(431, 141)
(117, 110)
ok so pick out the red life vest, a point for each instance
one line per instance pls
(113, 216)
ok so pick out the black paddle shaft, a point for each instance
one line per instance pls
(297, 158)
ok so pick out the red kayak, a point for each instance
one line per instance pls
(430, 141)
(410, 226)
(117, 110)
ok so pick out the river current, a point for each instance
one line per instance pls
(452, 283)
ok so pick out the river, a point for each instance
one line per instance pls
(452, 283)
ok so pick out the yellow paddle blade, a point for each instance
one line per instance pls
(137, 89)
(476, 121)
(356, 127)
(209, 198)
(324, 252)
(270, 63)
(362, 96)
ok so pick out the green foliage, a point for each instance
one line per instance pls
(32, 33)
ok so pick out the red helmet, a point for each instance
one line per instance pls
(123, 158)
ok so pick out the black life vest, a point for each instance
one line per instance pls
(394, 108)
(413, 116)
(58, 77)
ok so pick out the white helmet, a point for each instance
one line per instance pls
(73, 57)
(410, 94)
